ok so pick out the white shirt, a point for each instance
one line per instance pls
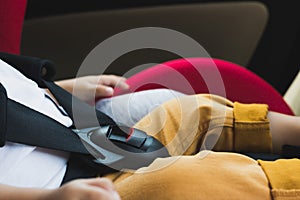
(23, 165)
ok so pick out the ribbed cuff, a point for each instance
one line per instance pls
(283, 174)
(251, 128)
(286, 194)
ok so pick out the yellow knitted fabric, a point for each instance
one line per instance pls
(284, 178)
(251, 128)
(206, 175)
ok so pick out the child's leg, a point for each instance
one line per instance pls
(206, 175)
(285, 129)
(191, 123)
(182, 124)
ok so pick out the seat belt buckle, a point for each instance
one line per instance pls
(121, 147)
(3, 115)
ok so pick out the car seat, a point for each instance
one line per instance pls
(190, 76)
(11, 22)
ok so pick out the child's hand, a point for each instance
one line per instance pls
(92, 189)
(89, 88)
(80, 189)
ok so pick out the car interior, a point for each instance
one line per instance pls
(260, 35)
(257, 39)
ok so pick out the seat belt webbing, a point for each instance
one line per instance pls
(27, 126)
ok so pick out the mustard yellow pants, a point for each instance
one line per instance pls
(199, 131)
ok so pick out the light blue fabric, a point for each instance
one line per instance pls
(128, 109)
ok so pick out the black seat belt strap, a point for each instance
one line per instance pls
(3, 115)
(21, 124)
(33, 128)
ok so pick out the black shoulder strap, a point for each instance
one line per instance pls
(21, 124)
(3, 115)
(24, 125)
